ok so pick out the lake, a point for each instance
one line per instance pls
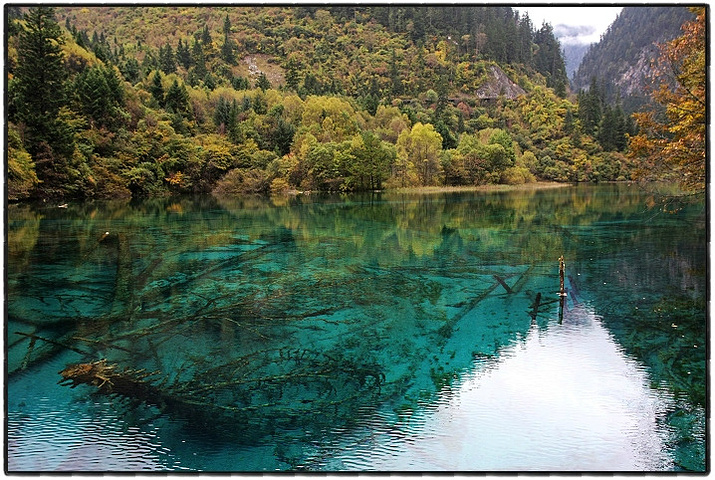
(383, 331)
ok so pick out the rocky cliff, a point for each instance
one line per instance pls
(497, 84)
(620, 62)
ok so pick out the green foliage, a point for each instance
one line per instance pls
(421, 147)
(354, 102)
(21, 176)
(241, 181)
(372, 159)
(99, 95)
(40, 80)
(263, 83)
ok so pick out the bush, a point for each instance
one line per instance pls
(279, 186)
(517, 176)
(240, 181)
(21, 176)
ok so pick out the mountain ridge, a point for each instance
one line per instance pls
(620, 61)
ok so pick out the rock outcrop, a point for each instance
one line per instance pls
(497, 84)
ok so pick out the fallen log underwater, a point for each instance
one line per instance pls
(257, 387)
(286, 386)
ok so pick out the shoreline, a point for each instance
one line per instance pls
(479, 188)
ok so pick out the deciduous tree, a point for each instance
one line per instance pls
(672, 145)
(422, 146)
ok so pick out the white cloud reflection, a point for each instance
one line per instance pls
(565, 398)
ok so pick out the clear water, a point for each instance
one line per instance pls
(359, 333)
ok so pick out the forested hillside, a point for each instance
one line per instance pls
(621, 61)
(131, 101)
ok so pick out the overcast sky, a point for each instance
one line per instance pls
(573, 24)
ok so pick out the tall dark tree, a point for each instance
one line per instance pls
(157, 89)
(227, 49)
(100, 96)
(525, 36)
(590, 108)
(131, 70)
(291, 74)
(549, 61)
(282, 136)
(395, 77)
(40, 79)
(177, 99)
(263, 83)
(205, 35)
(199, 60)
(222, 114)
(183, 54)
(167, 62)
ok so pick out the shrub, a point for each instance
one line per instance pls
(240, 181)
(517, 175)
(279, 186)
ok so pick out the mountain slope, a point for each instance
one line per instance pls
(162, 100)
(621, 60)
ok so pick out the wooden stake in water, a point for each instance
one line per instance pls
(562, 289)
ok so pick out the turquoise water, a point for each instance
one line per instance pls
(388, 332)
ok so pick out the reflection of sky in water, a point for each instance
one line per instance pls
(563, 399)
(406, 288)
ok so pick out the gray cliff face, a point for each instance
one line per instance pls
(636, 76)
(621, 61)
(499, 84)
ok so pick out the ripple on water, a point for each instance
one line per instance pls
(87, 438)
(566, 399)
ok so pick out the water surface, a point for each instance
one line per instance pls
(388, 332)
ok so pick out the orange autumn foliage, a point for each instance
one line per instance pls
(671, 144)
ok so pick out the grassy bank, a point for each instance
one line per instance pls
(481, 188)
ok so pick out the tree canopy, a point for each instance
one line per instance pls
(671, 143)
(129, 101)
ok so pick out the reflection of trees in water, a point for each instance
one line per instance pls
(380, 284)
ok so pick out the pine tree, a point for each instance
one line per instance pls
(283, 136)
(263, 83)
(240, 83)
(131, 70)
(549, 61)
(590, 108)
(40, 79)
(395, 78)
(177, 99)
(205, 35)
(199, 60)
(227, 49)
(291, 74)
(183, 54)
(222, 115)
(167, 63)
(157, 90)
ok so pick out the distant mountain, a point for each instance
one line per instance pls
(573, 54)
(620, 62)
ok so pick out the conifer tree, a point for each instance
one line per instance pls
(177, 99)
(291, 74)
(199, 60)
(40, 78)
(167, 62)
(205, 35)
(227, 49)
(263, 83)
(183, 54)
(156, 89)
